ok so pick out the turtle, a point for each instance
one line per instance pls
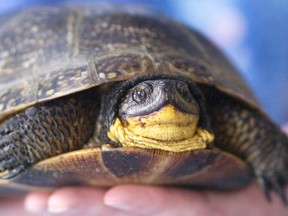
(106, 95)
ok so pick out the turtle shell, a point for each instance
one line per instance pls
(46, 53)
(104, 167)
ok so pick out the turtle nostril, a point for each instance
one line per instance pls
(166, 89)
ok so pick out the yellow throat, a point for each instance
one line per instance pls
(167, 129)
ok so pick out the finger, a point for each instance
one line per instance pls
(13, 206)
(248, 201)
(152, 200)
(146, 200)
(36, 202)
(77, 201)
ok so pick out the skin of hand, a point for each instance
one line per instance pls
(128, 200)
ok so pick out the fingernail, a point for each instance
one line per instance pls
(118, 204)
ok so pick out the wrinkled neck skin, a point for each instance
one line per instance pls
(156, 113)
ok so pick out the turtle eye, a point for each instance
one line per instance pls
(184, 91)
(141, 93)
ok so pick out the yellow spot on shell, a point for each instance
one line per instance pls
(112, 75)
(50, 92)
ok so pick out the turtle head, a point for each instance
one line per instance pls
(161, 114)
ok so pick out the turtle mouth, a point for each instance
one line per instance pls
(167, 129)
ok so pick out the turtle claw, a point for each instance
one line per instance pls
(275, 183)
(10, 168)
(264, 187)
(279, 187)
(11, 174)
(15, 172)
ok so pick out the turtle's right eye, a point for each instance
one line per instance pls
(141, 93)
(183, 89)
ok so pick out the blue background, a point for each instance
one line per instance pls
(254, 35)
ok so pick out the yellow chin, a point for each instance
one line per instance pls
(167, 124)
(167, 129)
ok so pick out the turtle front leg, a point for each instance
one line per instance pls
(44, 131)
(254, 138)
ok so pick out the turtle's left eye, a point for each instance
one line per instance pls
(141, 93)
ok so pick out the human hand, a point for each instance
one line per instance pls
(133, 200)
(152, 200)
(127, 200)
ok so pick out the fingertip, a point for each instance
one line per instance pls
(120, 198)
(76, 201)
(36, 202)
(63, 200)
